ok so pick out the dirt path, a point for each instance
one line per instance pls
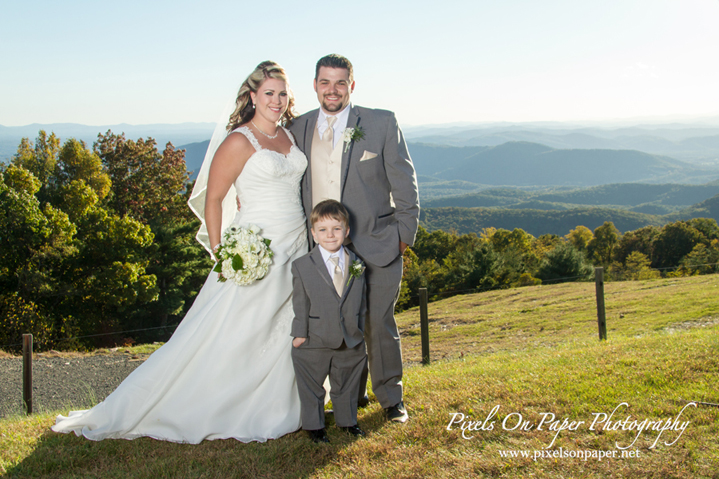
(64, 381)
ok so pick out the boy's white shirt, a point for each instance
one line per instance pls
(326, 258)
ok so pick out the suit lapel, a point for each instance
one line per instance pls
(346, 273)
(309, 131)
(316, 257)
(352, 122)
(307, 135)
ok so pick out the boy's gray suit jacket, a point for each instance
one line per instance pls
(378, 182)
(321, 315)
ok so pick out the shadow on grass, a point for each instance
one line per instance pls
(294, 455)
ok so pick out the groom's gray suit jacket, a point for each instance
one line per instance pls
(378, 183)
(321, 315)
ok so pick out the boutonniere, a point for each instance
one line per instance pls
(356, 270)
(352, 134)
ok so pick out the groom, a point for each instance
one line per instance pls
(358, 156)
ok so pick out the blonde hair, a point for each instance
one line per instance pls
(244, 111)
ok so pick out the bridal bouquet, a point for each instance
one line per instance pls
(243, 256)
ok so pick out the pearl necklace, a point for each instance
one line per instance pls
(268, 136)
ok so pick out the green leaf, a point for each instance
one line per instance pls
(267, 242)
(218, 267)
(237, 263)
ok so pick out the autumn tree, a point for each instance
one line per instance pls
(152, 187)
(70, 261)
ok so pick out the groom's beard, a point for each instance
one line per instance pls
(333, 107)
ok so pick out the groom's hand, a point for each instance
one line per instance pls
(297, 342)
(402, 247)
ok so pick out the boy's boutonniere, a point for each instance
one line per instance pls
(356, 270)
(352, 134)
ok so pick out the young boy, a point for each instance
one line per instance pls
(329, 300)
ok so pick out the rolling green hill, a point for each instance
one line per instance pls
(640, 197)
(539, 221)
(533, 221)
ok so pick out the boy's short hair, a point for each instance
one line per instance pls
(330, 209)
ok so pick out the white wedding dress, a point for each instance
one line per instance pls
(227, 371)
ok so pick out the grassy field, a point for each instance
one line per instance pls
(527, 354)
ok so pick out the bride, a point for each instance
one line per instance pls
(227, 371)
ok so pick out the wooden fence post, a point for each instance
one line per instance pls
(424, 324)
(601, 316)
(27, 372)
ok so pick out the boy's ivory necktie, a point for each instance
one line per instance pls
(337, 278)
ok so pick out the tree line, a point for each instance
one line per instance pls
(447, 263)
(95, 240)
(100, 240)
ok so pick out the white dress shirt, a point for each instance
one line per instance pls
(339, 126)
(326, 258)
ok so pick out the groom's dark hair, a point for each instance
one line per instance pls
(330, 209)
(334, 61)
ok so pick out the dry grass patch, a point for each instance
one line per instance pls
(549, 315)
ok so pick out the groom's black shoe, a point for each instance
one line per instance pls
(354, 431)
(318, 435)
(397, 413)
(363, 401)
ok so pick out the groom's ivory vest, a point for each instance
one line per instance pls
(326, 170)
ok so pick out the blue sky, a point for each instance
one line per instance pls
(432, 62)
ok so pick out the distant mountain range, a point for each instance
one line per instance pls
(692, 143)
(532, 164)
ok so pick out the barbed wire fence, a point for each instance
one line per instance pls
(423, 310)
(434, 296)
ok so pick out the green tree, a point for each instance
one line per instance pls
(640, 240)
(433, 246)
(673, 242)
(35, 239)
(580, 237)
(472, 265)
(702, 259)
(417, 274)
(637, 267)
(601, 247)
(75, 162)
(70, 261)
(564, 263)
(39, 158)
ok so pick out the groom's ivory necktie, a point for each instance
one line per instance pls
(337, 277)
(329, 134)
